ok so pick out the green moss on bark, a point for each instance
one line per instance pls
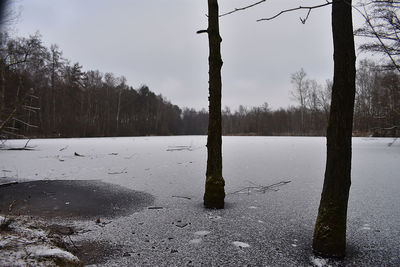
(214, 194)
(330, 232)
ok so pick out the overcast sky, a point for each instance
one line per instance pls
(154, 42)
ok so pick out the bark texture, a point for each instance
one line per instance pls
(330, 228)
(214, 190)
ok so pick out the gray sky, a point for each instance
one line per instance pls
(154, 42)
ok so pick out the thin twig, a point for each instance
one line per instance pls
(27, 142)
(30, 107)
(25, 147)
(13, 134)
(25, 123)
(63, 148)
(11, 205)
(385, 48)
(121, 172)
(394, 140)
(72, 242)
(182, 197)
(309, 8)
(241, 8)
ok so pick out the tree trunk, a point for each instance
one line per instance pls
(118, 111)
(214, 190)
(330, 228)
(53, 96)
(3, 89)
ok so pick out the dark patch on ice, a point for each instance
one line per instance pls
(71, 199)
(92, 253)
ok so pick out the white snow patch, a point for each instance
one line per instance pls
(45, 251)
(366, 227)
(3, 243)
(319, 262)
(196, 241)
(240, 244)
(213, 217)
(30, 247)
(202, 233)
(294, 245)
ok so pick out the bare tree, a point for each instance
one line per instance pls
(56, 64)
(122, 84)
(300, 91)
(330, 227)
(324, 97)
(14, 54)
(214, 190)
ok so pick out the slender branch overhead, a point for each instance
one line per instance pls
(382, 25)
(242, 8)
(303, 20)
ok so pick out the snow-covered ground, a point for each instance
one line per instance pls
(27, 245)
(269, 229)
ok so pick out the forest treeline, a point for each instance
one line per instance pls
(45, 95)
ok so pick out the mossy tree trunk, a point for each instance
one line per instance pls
(330, 228)
(214, 190)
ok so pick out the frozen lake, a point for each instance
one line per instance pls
(276, 226)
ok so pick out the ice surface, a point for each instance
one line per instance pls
(175, 166)
(144, 163)
(196, 241)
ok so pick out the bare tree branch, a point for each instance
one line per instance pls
(309, 8)
(13, 134)
(202, 31)
(25, 123)
(242, 8)
(260, 188)
(377, 35)
(17, 106)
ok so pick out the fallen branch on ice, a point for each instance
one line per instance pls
(182, 197)
(179, 148)
(260, 188)
(120, 172)
(394, 140)
(26, 147)
(62, 149)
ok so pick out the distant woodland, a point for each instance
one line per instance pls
(45, 95)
